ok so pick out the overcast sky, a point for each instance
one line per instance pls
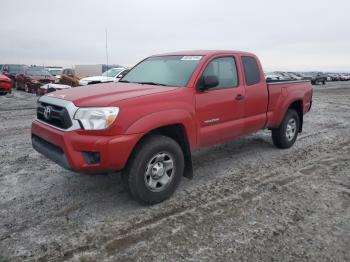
(286, 35)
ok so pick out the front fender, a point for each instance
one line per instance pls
(164, 118)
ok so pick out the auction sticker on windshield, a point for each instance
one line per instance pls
(191, 58)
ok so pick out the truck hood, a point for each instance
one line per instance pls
(107, 94)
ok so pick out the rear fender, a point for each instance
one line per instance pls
(275, 117)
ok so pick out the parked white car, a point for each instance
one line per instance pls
(295, 76)
(55, 71)
(48, 88)
(110, 75)
(272, 77)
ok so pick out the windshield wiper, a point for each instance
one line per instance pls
(124, 81)
(151, 83)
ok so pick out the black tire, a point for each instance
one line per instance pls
(134, 176)
(279, 135)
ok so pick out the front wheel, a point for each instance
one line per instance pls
(154, 170)
(285, 135)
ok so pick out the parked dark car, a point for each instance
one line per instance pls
(319, 78)
(32, 78)
(11, 70)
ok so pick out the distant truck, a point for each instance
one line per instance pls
(82, 71)
(165, 107)
(68, 77)
(55, 71)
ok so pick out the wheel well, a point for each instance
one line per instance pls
(178, 133)
(298, 107)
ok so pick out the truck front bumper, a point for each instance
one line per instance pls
(81, 152)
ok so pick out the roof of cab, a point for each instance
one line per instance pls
(205, 52)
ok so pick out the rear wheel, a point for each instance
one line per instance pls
(154, 169)
(285, 135)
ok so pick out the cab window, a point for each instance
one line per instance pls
(225, 69)
(251, 70)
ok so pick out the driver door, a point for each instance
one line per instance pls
(220, 110)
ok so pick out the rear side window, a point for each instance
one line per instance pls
(251, 70)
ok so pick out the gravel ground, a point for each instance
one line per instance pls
(248, 201)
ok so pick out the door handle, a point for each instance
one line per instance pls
(240, 97)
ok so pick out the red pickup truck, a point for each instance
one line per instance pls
(168, 105)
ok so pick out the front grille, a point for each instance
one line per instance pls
(58, 116)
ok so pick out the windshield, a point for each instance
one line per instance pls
(37, 72)
(113, 72)
(163, 70)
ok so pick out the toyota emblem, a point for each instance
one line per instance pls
(47, 112)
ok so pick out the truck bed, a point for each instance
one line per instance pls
(280, 95)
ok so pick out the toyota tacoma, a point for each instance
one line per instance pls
(167, 106)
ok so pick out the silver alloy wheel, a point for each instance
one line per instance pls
(159, 172)
(291, 129)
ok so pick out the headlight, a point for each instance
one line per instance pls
(57, 80)
(96, 118)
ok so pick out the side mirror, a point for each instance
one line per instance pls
(208, 82)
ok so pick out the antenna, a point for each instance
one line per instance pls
(106, 49)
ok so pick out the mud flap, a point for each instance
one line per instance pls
(188, 172)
